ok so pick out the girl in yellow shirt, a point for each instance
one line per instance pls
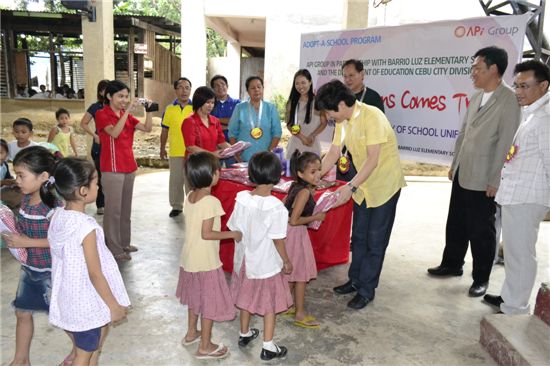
(62, 134)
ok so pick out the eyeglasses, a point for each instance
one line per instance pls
(524, 86)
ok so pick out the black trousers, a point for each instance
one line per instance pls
(100, 200)
(471, 220)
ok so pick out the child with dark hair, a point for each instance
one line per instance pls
(5, 175)
(306, 171)
(202, 285)
(62, 135)
(33, 167)
(258, 285)
(88, 292)
(22, 130)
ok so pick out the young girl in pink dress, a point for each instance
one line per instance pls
(306, 171)
(88, 293)
(202, 285)
(258, 285)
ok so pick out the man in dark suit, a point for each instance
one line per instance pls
(489, 125)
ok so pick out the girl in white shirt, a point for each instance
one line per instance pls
(88, 292)
(258, 285)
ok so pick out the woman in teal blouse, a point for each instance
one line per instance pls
(255, 121)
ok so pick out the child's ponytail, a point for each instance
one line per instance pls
(38, 160)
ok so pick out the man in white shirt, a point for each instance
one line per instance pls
(524, 191)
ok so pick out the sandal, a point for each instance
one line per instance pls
(123, 257)
(309, 322)
(130, 249)
(220, 352)
(186, 343)
(290, 312)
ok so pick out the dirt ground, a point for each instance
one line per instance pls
(146, 145)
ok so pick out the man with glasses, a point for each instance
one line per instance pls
(524, 192)
(480, 149)
(172, 119)
(224, 105)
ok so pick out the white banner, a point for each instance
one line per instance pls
(422, 72)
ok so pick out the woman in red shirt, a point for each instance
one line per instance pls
(116, 127)
(202, 131)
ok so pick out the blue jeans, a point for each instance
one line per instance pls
(370, 237)
(33, 291)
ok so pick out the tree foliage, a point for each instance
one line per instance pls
(169, 9)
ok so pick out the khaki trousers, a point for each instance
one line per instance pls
(177, 182)
(118, 189)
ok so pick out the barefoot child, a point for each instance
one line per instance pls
(258, 285)
(62, 135)
(202, 285)
(88, 293)
(306, 170)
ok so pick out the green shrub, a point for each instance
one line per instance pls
(280, 102)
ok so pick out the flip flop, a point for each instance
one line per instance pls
(290, 312)
(188, 343)
(214, 355)
(309, 322)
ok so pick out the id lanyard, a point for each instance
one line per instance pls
(363, 95)
(296, 128)
(253, 124)
(344, 163)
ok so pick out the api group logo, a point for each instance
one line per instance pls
(478, 31)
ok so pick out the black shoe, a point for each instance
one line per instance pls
(244, 341)
(445, 271)
(478, 289)
(358, 302)
(346, 288)
(493, 300)
(175, 213)
(267, 355)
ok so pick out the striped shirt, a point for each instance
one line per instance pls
(33, 221)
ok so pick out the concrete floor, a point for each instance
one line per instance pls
(414, 320)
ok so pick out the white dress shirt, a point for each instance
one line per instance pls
(526, 172)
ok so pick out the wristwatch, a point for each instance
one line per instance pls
(351, 187)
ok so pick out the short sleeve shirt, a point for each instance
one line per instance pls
(369, 126)
(14, 148)
(75, 304)
(198, 254)
(195, 133)
(173, 117)
(34, 221)
(117, 155)
(260, 220)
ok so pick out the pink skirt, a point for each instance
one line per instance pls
(206, 294)
(260, 296)
(300, 253)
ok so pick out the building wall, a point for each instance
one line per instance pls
(286, 20)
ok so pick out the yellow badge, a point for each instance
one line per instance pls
(295, 129)
(511, 153)
(343, 164)
(256, 133)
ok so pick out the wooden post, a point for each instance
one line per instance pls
(131, 83)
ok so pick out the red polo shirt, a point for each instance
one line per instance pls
(195, 133)
(117, 155)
